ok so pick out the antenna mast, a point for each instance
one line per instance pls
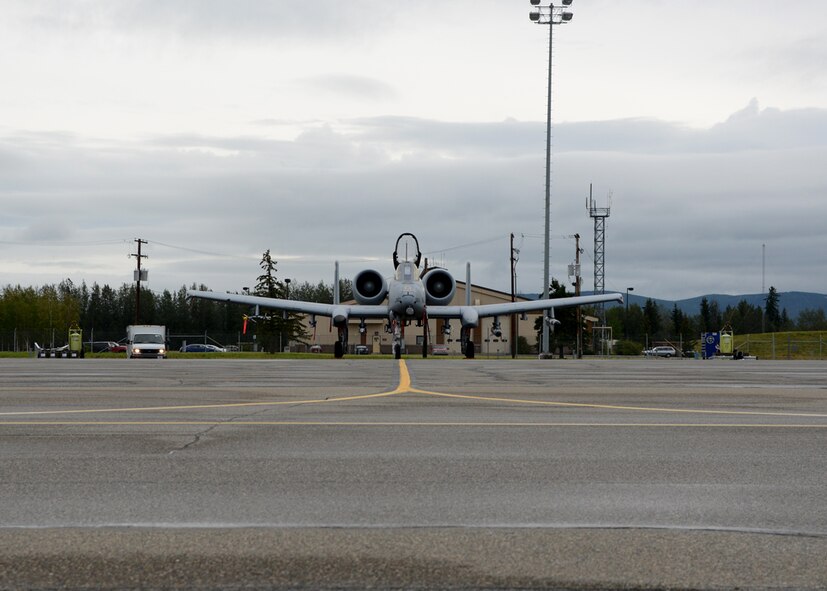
(599, 214)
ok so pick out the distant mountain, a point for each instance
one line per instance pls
(793, 301)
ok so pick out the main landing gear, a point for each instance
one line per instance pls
(466, 342)
(340, 346)
(396, 331)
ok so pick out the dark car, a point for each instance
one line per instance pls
(202, 348)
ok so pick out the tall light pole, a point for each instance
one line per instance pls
(551, 15)
(626, 315)
(284, 316)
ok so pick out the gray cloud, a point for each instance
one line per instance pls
(690, 208)
(748, 129)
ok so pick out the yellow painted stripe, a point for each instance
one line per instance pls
(403, 387)
(404, 378)
(617, 407)
(197, 406)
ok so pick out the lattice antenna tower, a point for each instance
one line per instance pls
(599, 215)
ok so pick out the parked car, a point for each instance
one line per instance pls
(102, 346)
(660, 352)
(315, 348)
(439, 350)
(202, 348)
(362, 350)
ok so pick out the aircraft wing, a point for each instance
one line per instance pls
(332, 310)
(362, 311)
(487, 310)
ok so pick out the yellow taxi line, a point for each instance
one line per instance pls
(405, 387)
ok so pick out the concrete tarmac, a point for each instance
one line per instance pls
(438, 473)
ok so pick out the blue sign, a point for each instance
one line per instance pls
(710, 344)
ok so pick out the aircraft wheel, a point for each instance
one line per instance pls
(338, 350)
(397, 352)
(469, 350)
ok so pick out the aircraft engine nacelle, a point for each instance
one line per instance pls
(370, 288)
(440, 287)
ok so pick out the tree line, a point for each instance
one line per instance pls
(651, 322)
(636, 326)
(45, 314)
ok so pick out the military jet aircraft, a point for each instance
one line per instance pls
(412, 295)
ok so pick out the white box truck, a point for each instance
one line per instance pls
(146, 340)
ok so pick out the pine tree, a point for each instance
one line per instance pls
(279, 328)
(771, 310)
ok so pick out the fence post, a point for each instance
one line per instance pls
(772, 334)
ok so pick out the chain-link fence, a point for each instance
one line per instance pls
(784, 346)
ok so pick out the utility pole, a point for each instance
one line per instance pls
(139, 275)
(513, 299)
(763, 284)
(577, 282)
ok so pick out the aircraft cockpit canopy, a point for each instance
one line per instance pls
(407, 247)
(406, 271)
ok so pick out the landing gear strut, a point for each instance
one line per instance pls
(340, 346)
(467, 343)
(396, 330)
(425, 335)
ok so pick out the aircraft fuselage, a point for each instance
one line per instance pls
(406, 294)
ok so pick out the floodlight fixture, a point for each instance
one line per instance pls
(548, 15)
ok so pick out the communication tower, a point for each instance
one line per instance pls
(599, 214)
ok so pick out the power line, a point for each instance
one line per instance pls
(470, 244)
(200, 251)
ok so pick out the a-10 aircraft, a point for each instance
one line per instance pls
(412, 296)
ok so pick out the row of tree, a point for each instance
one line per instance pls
(651, 322)
(636, 323)
(44, 314)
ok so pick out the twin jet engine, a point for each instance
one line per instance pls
(370, 288)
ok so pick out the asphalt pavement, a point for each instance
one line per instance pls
(438, 473)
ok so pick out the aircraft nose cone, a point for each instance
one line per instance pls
(408, 300)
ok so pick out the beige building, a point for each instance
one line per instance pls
(378, 340)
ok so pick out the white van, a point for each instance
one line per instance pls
(146, 340)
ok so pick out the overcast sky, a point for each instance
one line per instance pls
(322, 130)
